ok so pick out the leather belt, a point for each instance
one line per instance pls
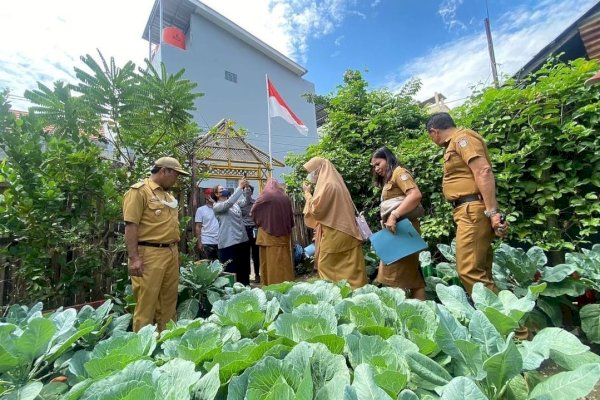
(150, 244)
(466, 199)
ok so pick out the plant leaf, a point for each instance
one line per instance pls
(462, 388)
(590, 321)
(568, 385)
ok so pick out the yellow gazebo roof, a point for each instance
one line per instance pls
(228, 155)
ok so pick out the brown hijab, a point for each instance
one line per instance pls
(330, 203)
(272, 211)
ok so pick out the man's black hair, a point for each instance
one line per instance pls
(441, 120)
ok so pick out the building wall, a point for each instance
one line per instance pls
(210, 51)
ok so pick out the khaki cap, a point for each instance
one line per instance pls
(170, 162)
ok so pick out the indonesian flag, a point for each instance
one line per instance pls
(278, 108)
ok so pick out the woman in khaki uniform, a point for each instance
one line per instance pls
(396, 181)
(330, 211)
(272, 213)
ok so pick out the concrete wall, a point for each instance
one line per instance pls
(210, 52)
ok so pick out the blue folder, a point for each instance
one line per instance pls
(392, 247)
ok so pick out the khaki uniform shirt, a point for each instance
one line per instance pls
(157, 222)
(463, 146)
(400, 183)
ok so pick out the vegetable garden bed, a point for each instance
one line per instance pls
(300, 340)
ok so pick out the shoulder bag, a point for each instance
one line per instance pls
(363, 226)
(389, 205)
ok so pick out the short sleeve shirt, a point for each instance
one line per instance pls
(210, 226)
(157, 222)
(464, 145)
(400, 183)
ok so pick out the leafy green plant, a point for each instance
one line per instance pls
(541, 133)
(200, 284)
(249, 311)
(515, 269)
(359, 121)
(63, 187)
(325, 343)
(590, 322)
(35, 348)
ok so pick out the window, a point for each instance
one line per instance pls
(230, 76)
(231, 184)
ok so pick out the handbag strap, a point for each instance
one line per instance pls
(354, 205)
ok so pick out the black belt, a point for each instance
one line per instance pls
(150, 244)
(466, 199)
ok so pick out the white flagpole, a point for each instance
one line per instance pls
(269, 125)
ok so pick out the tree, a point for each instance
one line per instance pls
(544, 143)
(64, 183)
(359, 122)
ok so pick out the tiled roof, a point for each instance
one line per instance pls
(225, 144)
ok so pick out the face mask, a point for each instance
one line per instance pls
(225, 193)
(312, 177)
(171, 204)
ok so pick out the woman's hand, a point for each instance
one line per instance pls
(243, 183)
(391, 223)
(307, 187)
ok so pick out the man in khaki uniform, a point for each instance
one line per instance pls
(470, 186)
(151, 235)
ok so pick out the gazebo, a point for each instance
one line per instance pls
(226, 154)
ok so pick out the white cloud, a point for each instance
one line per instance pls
(48, 37)
(447, 11)
(455, 67)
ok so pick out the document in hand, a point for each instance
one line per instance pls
(392, 247)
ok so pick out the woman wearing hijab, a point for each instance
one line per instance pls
(395, 180)
(234, 247)
(329, 210)
(272, 213)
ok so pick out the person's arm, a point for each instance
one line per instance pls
(411, 201)
(198, 228)
(223, 206)
(136, 264)
(319, 206)
(486, 183)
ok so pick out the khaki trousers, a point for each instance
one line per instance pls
(474, 253)
(156, 290)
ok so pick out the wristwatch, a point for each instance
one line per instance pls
(491, 212)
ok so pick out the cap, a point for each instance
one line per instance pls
(170, 162)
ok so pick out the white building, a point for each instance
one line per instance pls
(229, 65)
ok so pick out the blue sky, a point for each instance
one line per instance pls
(442, 42)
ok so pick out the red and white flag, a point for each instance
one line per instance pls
(278, 108)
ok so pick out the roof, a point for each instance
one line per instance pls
(321, 114)
(178, 13)
(432, 100)
(225, 144)
(570, 40)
